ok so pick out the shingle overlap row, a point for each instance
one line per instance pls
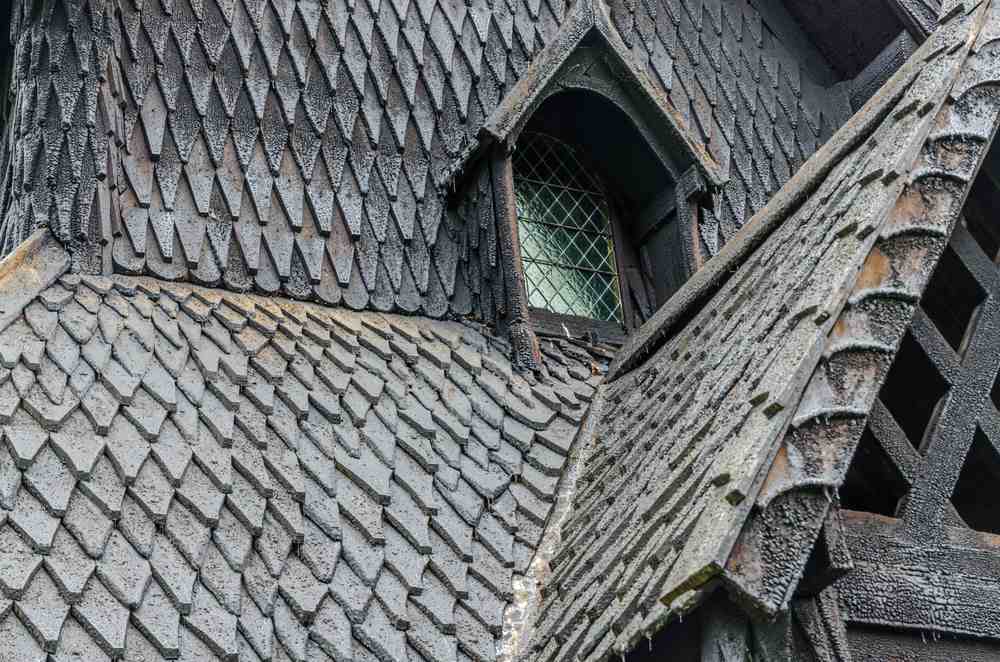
(299, 146)
(186, 472)
(685, 438)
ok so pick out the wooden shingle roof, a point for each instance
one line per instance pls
(195, 473)
(757, 382)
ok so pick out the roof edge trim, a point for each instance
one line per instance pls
(588, 17)
(30, 269)
(520, 616)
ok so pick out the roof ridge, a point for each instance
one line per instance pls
(843, 386)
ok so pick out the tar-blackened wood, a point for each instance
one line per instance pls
(725, 632)
(547, 323)
(821, 624)
(518, 321)
(869, 644)
(691, 191)
(195, 473)
(831, 414)
(775, 639)
(919, 16)
(289, 159)
(761, 396)
(952, 431)
(946, 585)
(626, 261)
(831, 557)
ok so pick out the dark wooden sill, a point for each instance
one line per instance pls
(550, 324)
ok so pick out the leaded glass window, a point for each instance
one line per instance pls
(564, 224)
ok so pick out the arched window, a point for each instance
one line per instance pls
(596, 191)
(596, 218)
(564, 225)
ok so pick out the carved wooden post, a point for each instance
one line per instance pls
(724, 632)
(524, 343)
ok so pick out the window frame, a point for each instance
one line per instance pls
(586, 56)
(627, 244)
(522, 322)
(554, 323)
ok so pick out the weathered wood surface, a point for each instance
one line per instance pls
(302, 148)
(686, 440)
(874, 645)
(815, 453)
(950, 588)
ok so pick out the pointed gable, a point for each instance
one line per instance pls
(615, 74)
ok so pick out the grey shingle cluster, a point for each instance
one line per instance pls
(298, 147)
(191, 473)
(686, 439)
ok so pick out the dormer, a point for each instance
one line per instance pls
(596, 186)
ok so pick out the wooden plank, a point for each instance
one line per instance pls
(874, 645)
(949, 587)
(550, 324)
(522, 337)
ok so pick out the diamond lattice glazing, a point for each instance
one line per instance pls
(565, 233)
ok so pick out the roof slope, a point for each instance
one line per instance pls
(298, 147)
(815, 454)
(686, 439)
(188, 472)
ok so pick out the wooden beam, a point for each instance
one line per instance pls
(725, 632)
(523, 341)
(877, 645)
(917, 16)
(654, 215)
(950, 587)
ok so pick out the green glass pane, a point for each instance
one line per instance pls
(565, 233)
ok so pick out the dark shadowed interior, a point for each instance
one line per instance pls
(607, 135)
(975, 496)
(638, 181)
(874, 484)
(849, 45)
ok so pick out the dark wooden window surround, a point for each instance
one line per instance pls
(634, 290)
(644, 215)
(586, 91)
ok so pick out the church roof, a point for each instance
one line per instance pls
(775, 350)
(196, 473)
(188, 471)
(301, 148)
